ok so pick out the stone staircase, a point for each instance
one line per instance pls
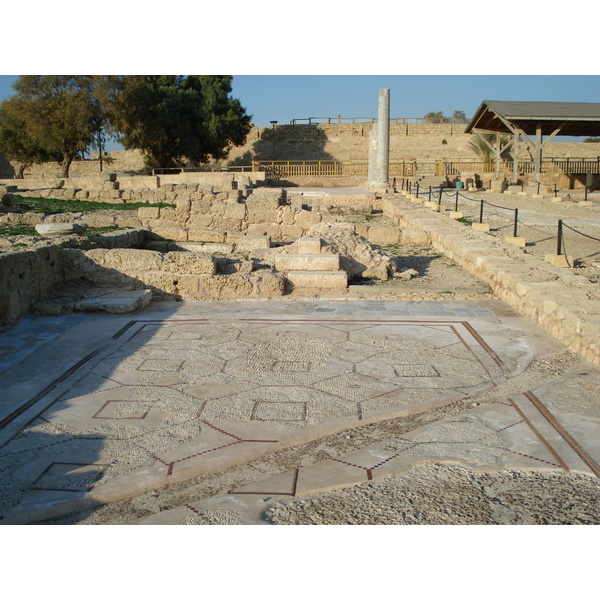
(435, 181)
(310, 272)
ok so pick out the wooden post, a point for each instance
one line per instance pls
(538, 151)
(516, 140)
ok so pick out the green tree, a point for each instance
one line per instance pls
(459, 116)
(175, 117)
(483, 149)
(434, 117)
(60, 113)
(592, 140)
(15, 142)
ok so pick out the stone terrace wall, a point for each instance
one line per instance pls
(25, 277)
(343, 142)
(556, 299)
(347, 142)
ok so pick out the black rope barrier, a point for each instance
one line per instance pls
(580, 232)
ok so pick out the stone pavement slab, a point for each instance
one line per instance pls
(511, 435)
(122, 405)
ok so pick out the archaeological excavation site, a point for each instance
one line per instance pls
(350, 335)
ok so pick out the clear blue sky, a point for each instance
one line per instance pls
(283, 98)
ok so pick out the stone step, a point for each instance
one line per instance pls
(308, 245)
(316, 281)
(307, 262)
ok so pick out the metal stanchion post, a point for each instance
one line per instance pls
(481, 212)
(559, 245)
(516, 221)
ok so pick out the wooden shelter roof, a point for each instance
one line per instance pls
(573, 118)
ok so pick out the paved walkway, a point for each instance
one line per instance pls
(101, 408)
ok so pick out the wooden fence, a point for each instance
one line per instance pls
(327, 168)
(331, 168)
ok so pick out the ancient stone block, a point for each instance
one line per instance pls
(148, 212)
(289, 233)
(309, 245)
(200, 207)
(126, 259)
(225, 224)
(307, 262)
(273, 231)
(249, 243)
(413, 236)
(306, 219)
(183, 204)
(317, 280)
(204, 234)
(52, 229)
(235, 211)
(262, 216)
(234, 264)
(115, 302)
(172, 214)
(200, 220)
(189, 262)
(384, 235)
(265, 198)
(209, 248)
(179, 234)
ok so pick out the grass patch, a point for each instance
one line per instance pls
(53, 206)
(95, 231)
(10, 230)
(465, 220)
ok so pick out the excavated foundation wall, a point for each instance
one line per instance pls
(30, 275)
(556, 299)
(25, 277)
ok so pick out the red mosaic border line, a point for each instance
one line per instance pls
(235, 436)
(534, 458)
(585, 457)
(544, 441)
(509, 426)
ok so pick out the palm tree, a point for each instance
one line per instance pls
(483, 145)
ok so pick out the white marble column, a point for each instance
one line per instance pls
(379, 143)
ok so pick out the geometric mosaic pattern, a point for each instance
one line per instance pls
(163, 387)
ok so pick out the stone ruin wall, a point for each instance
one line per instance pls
(221, 220)
(342, 142)
(205, 221)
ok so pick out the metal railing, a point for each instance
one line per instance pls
(393, 121)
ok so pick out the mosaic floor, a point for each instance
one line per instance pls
(168, 397)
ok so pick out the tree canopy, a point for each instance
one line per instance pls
(175, 117)
(15, 142)
(458, 116)
(57, 114)
(169, 117)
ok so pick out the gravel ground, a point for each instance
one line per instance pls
(541, 237)
(438, 494)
